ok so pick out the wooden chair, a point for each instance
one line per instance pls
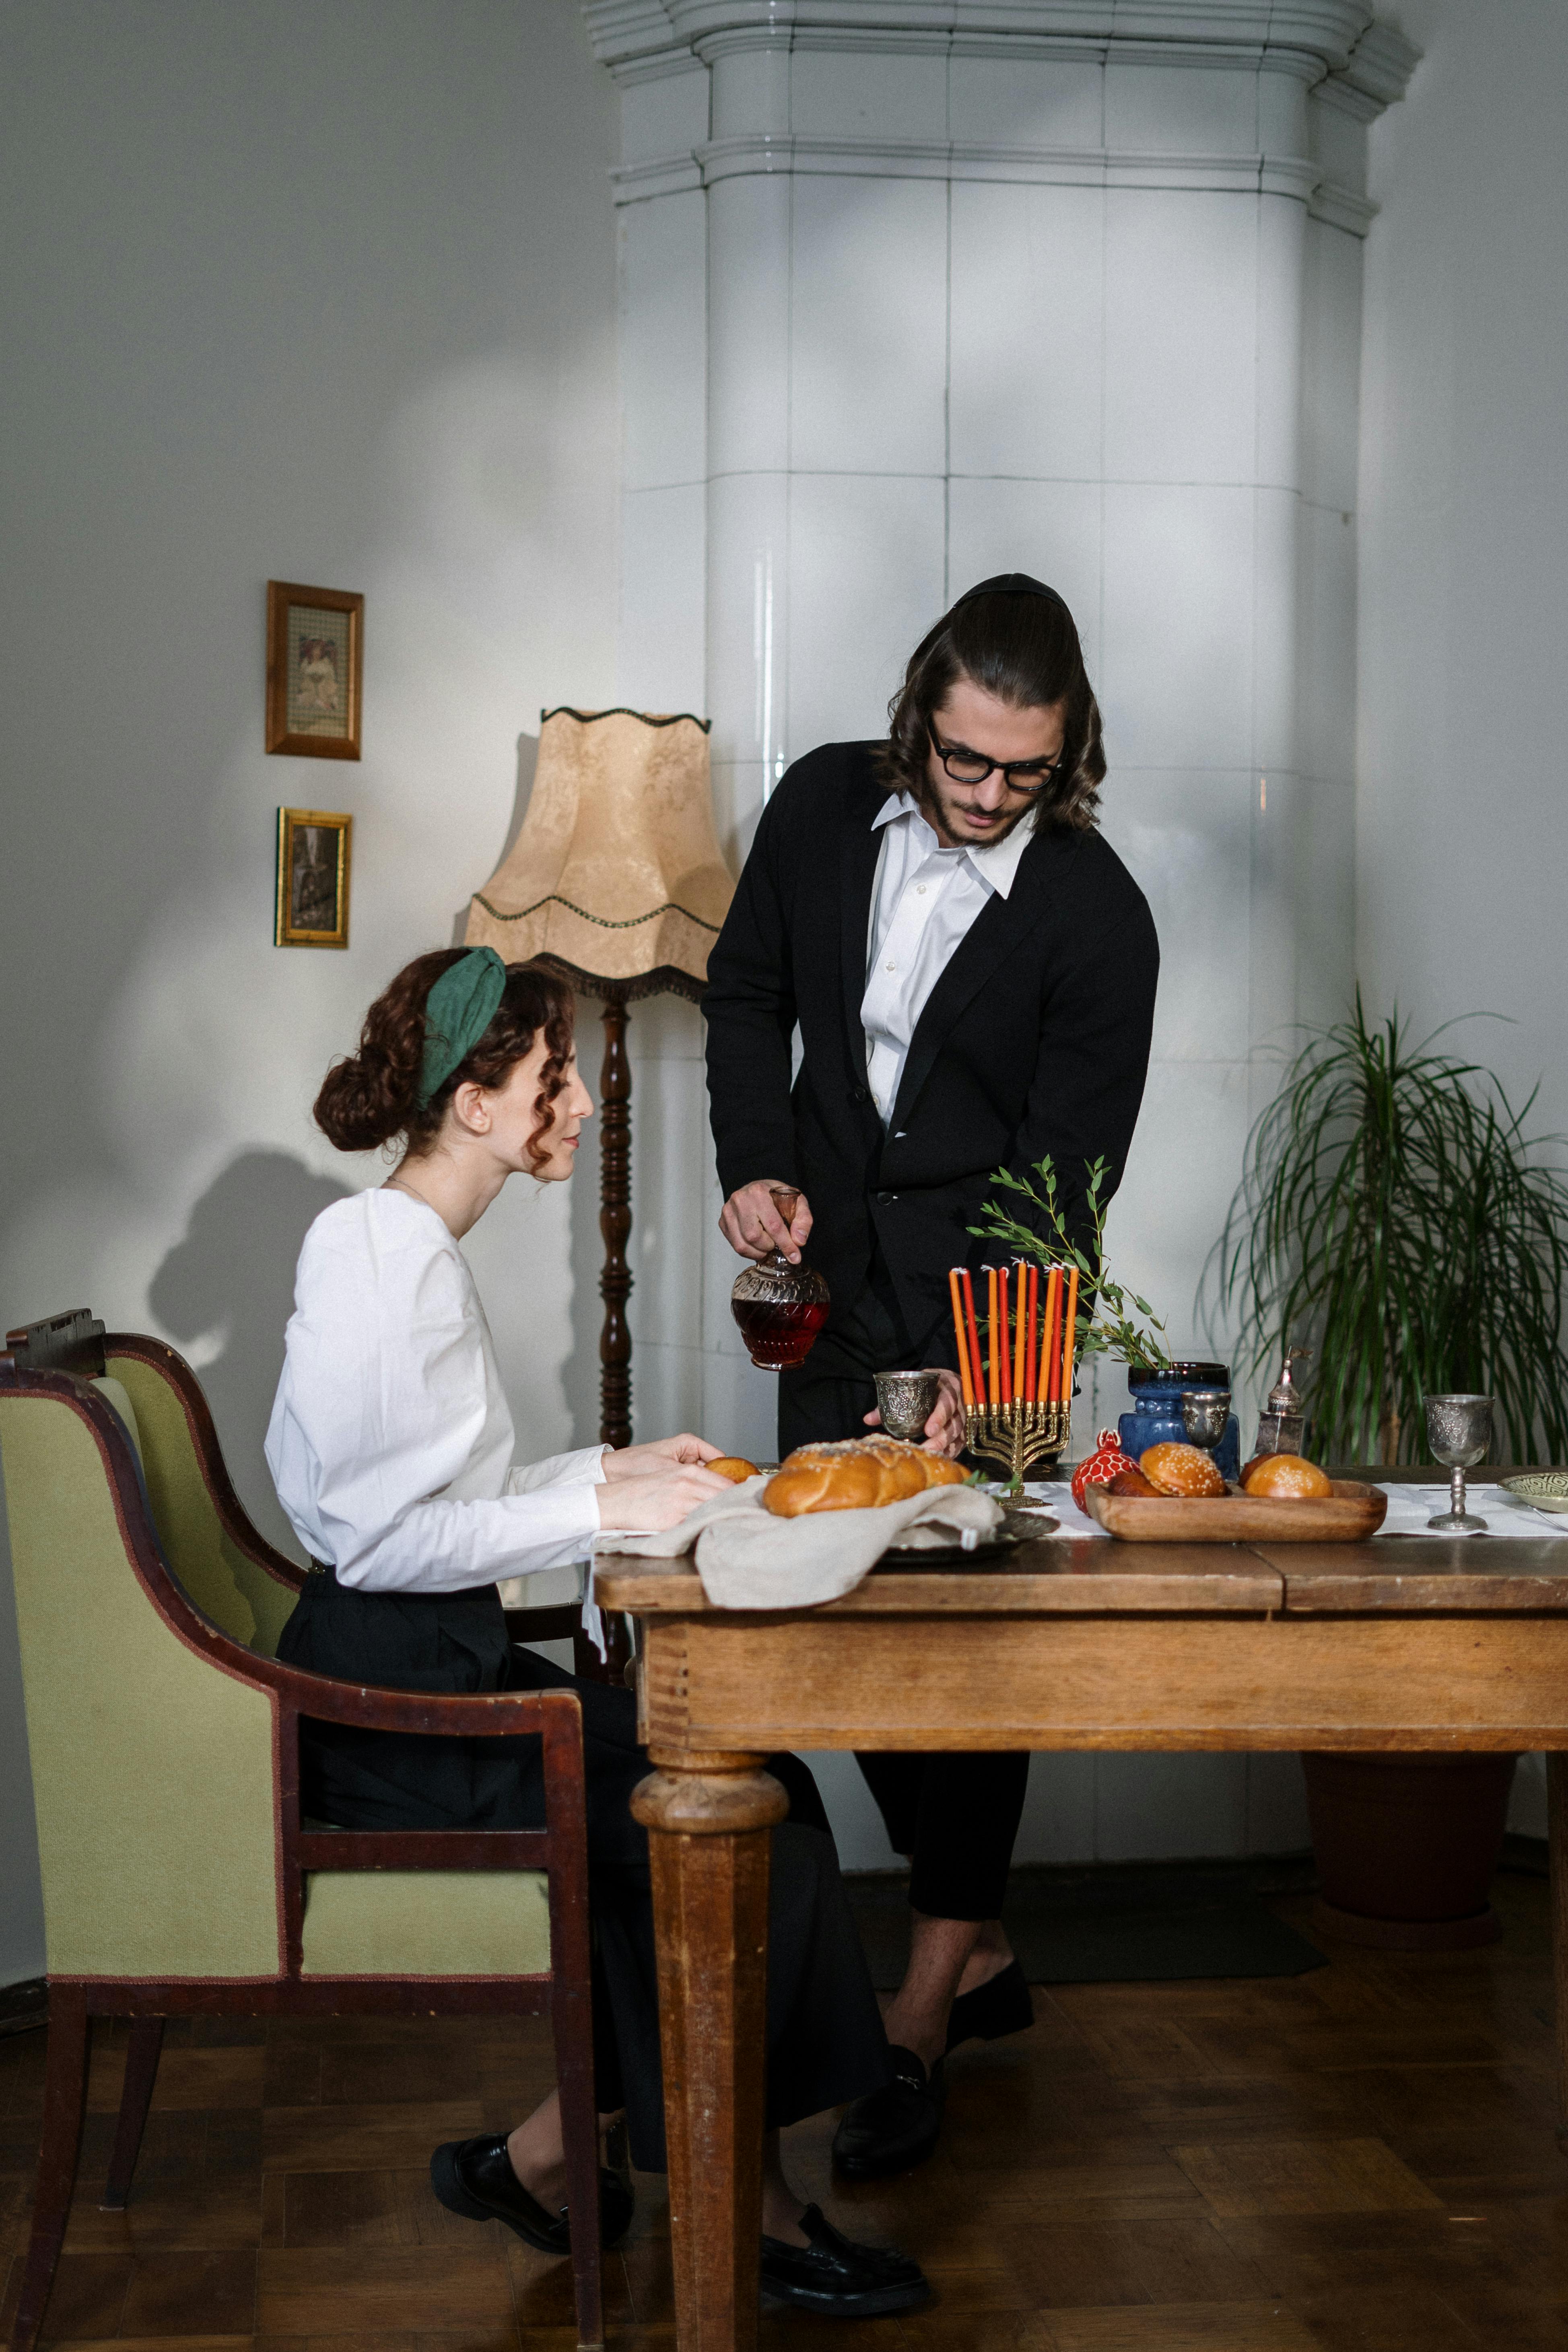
(178, 1876)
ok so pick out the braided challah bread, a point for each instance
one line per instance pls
(855, 1474)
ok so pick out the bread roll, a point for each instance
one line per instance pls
(1130, 1482)
(904, 1468)
(855, 1474)
(1289, 1477)
(818, 1482)
(1181, 1470)
(732, 1467)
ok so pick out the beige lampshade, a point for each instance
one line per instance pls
(616, 875)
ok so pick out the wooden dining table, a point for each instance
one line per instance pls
(1408, 1642)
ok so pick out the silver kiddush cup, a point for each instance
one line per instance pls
(906, 1401)
(1458, 1431)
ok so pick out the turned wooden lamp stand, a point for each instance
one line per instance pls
(616, 881)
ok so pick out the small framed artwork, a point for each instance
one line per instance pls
(314, 660)
(313, 848)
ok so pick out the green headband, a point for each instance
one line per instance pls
(458, 1011)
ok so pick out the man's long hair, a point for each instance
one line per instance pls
(1021, 645)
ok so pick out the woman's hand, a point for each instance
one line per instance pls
(663, 1454)
(646, 1505)
(944, 1430)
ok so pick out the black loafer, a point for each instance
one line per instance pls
(474, 2177)
(1002, 2004)
(891, 2129)
(835, 2276)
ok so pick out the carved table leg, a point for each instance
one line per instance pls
(709, 1815)
(1557, 1825)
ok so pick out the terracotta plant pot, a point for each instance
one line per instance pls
(1407, 1845)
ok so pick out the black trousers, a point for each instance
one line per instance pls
(956, 1816)
(825, 2042)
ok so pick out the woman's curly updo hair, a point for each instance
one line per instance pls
(373, 1097)
(1022, 646)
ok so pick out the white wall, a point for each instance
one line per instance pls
(1462, 817)
(327, 297)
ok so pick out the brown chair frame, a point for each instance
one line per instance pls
(560, 1849)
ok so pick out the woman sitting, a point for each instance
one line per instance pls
(391, 1449)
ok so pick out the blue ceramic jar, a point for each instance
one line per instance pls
(1156, 1415)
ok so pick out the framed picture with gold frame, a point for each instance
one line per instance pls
(315, 659)
(312, 902)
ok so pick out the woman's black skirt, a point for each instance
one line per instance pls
(826, 2042)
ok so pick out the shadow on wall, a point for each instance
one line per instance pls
(233, 1277)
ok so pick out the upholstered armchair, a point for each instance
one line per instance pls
(177, 1874)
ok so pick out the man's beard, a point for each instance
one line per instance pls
(930, 808)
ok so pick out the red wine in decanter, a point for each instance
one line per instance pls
(780, 1307)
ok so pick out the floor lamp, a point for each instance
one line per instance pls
(617, 881)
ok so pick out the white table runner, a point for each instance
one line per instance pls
(1409, 1508)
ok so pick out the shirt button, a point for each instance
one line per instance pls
(920, 889)
(892, 967)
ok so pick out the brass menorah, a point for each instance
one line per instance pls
(1018, 1435)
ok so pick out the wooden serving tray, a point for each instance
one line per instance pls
(1352, 1512)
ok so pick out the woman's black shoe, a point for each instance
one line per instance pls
(1002, 2004)
(891, 2129)
(474, 2177)
(836, 2277)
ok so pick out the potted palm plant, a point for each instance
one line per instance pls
(1395, 1217)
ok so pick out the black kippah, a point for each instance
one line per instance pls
(1009, 584)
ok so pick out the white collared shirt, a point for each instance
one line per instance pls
(391, 1443)
(924, 900)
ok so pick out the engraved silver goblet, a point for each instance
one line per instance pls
(1205, 1413)
(906, 1401)
(1458, 1431)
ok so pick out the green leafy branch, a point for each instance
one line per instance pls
(1105, 1324)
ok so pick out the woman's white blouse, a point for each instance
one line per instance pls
(390, 1443)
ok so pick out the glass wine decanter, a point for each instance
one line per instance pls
(780, 1307)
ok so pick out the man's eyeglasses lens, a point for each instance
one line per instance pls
(968, 768)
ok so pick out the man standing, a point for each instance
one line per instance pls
(972, 970)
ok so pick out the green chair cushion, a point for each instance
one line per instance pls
(250, 1605)
(426, 1923)
(151, 1768)
(114, 1392)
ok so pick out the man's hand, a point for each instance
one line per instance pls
(663, 1454)
(753, 1226)
(944, 1430)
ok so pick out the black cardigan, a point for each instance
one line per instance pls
(1034, 1039)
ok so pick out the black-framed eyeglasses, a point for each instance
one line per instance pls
(967, 767)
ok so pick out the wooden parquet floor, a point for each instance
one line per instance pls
(1358, 2160)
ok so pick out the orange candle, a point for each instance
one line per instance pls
(992, 1390)
(1051, 1358)
(1069, 1335)
(1027, 1391)
(978, 1369)
(1020, 1313)
(965, 1379)
(1006, 1344)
